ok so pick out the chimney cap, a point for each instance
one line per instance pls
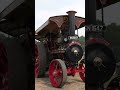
(71, 12)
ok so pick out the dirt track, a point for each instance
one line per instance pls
(73, 83)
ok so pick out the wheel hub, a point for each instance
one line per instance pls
(54, 73)
(97, 62)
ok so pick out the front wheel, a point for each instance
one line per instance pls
(99, 66)
(57, 73)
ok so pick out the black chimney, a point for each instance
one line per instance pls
(71, 18)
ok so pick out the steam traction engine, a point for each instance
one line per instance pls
(16, 44)
(101, 67)
(58, 46)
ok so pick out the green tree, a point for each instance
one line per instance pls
(82, 41)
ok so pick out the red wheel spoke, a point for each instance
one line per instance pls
(82, 71)
(56, 66)
(58, 79)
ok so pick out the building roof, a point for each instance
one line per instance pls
(108, 3)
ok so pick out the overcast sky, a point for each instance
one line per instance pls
(111, 14)
(47, 8)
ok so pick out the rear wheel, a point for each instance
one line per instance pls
(40, 66)
(36, 62)
(82, 71)
(3, 68)
(57, 73)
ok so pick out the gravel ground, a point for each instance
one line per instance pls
(73, 83)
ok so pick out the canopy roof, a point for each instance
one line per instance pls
(10, 7)
(56, 23)
(15, 15)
